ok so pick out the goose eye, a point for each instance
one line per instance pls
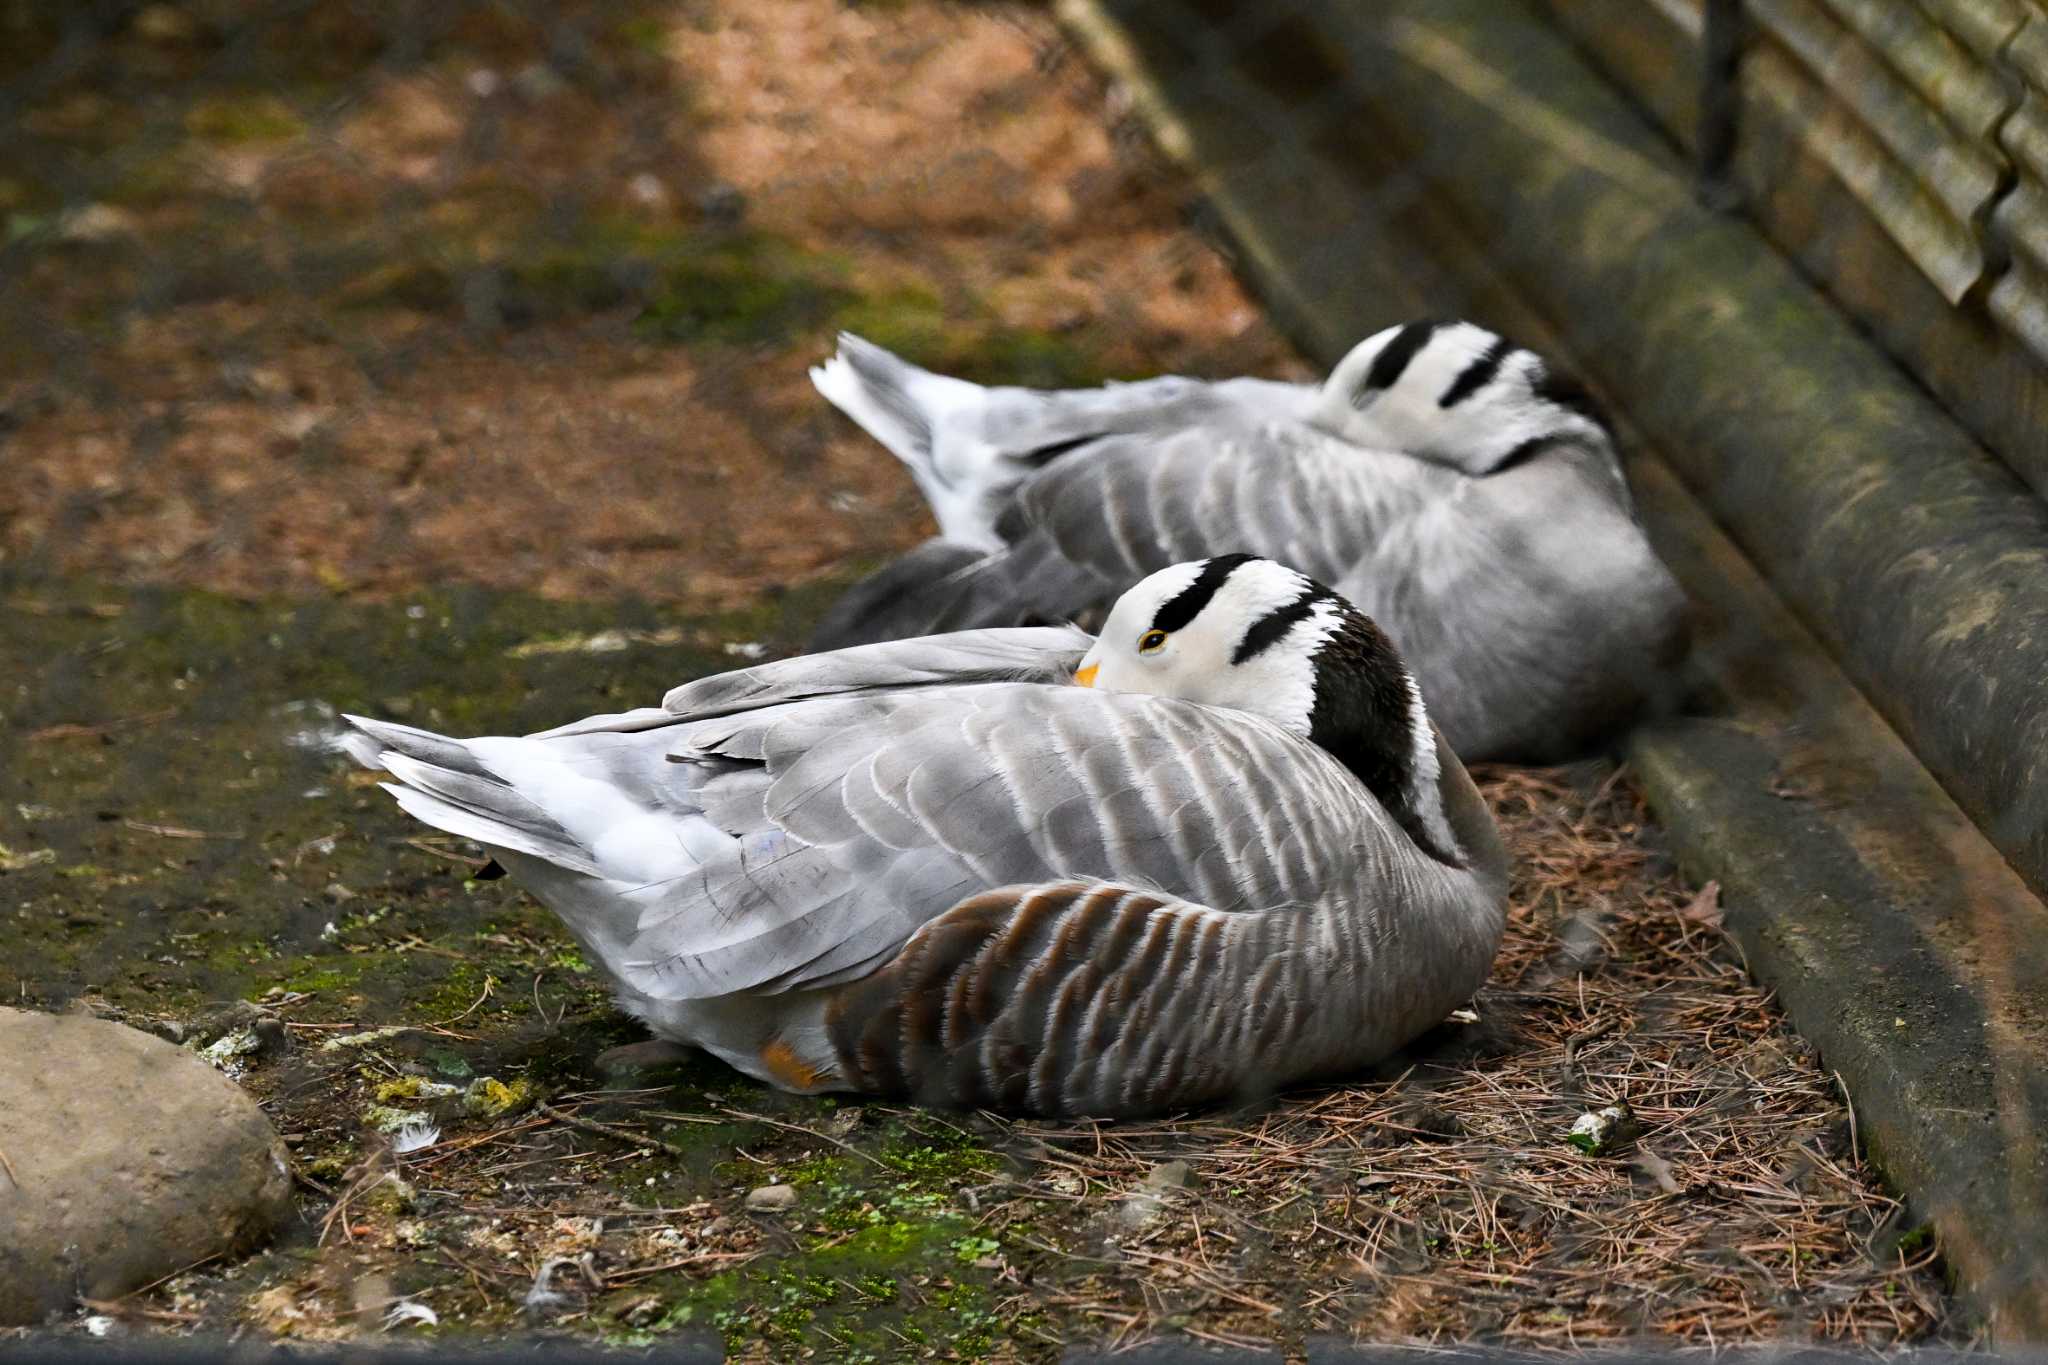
(1151, 642)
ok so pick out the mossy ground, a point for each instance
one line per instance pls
(178, 839)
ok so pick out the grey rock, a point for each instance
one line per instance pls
(771, 1199)
(127, 1158)
(652, 1054)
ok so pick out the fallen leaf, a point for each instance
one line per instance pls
(1705, 907)
(1658, 1169)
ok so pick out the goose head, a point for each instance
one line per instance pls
(1459, 395)
(1250, 634)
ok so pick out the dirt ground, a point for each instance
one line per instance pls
(448, 362)
(460, 314)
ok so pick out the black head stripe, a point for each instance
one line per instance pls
(1478, 374)
(1271, 628)
(1528, 450)
(1568, 393)
(1387, 366)
(1185, 605)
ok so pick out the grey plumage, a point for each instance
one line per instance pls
(935, 867)
(1450, 484)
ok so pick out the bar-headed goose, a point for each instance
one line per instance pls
(1462, 493)
(1236, 856)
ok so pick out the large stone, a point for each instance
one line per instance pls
(127, 1159)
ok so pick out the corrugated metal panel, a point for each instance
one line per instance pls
(2020, 301)
(1966, 92)
(2025, 135)
(1932, 233)
(1920, 149)
(2020, 224)
(2022, 219)
(1798, 188)
(1980, 25)
(1899, 150)
(2028, 52)
(1650, 48)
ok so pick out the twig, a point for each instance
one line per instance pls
(607, 1130)
(173, 831)
(75, 731)
(807, 1132)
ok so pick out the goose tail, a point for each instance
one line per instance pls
(893, 400)
(446, 783)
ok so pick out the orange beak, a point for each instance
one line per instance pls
(1086, 676)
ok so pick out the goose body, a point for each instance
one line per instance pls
(938, 868)
(1449, 483)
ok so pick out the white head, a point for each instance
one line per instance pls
(1253, 635)
(1457, 394)
(1189, 631)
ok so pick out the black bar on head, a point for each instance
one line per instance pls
(1187, 604)
(1393, 358)
(1271, 628)
(1478, 374)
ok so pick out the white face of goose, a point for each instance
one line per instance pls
(1247, 633)
(1232, 631)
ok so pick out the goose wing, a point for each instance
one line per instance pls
(857, 817)
(1044, 654)
(1291, 493)
(1528, 603)
(1080, 530)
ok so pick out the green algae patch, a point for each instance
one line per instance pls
(855, 1297)
(490, 1098)
(243, 119)
(698, 284)
(414, 1089)
(968, 339)
(711, 285)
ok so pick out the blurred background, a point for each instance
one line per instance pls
(445, 360)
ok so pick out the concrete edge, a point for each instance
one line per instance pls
(1898, 938)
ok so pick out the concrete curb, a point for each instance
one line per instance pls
(1899, 939)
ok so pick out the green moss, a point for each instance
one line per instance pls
(242, 119)
(942, 1166)
(848, 1297)
(968, 340)
(490, 1098)
(719, 287)
(741, 290)
(646, 34)
(413, 1089)
(166, 923)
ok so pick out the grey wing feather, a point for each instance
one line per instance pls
(1529, 604)
(1137, 505)
(975, 787)
(1033, 654)
(941, 586)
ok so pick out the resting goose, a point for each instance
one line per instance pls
(1236, 855)
(1463, 494)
